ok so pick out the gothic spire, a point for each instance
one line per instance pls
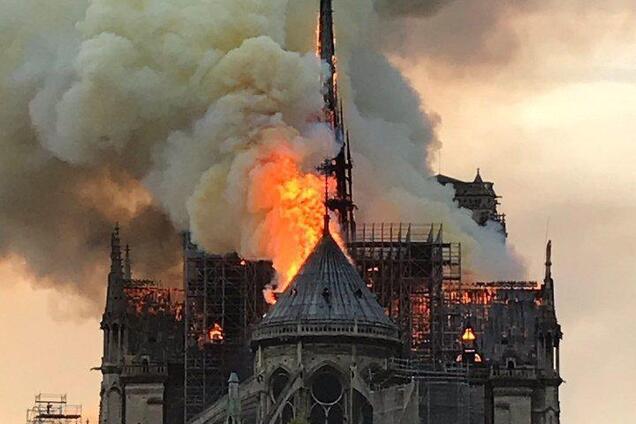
(341, 166)
(115, 301)
(548, 282)
(327, 50)
(478, 178)
(115, 252)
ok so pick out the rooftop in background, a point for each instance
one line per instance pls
(478, 196)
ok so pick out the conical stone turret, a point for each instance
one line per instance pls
(327, 298)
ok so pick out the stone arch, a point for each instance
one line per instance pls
(336, 367)
(283, 387)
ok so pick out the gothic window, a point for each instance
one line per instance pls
(278, 382)
(327, 399)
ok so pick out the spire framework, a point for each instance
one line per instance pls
(341, 166)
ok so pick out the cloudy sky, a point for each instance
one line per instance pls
(541, 96)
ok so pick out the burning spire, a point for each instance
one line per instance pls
(327, 52)
(341, 166)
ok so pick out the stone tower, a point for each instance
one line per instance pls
(546, 399)
(141, 364)
(111, 409)
(322, 339)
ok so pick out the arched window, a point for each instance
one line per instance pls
(327, 393)
(277, 383)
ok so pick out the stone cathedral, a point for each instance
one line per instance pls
(378, 329)
(327, 354)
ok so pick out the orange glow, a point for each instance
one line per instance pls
(294, 223)
(302, 209)
(469, 335)
(215, 333)
(145, 299)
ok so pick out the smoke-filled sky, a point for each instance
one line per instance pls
(539, 94)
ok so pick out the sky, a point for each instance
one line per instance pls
(553, 124)
(539, 95)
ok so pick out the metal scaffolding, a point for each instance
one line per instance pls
(407, 266)
(224, 298)
(415, 274)
(53, 409)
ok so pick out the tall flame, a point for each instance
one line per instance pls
(294, 224)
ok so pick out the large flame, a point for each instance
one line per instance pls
(295, 222)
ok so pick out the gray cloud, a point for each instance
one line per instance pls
(410, 7)
(458, 33)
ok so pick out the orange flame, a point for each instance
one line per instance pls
(215, 333)
(294, 223)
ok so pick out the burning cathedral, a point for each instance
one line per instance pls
(375, 327)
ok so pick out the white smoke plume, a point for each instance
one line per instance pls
(167, 115)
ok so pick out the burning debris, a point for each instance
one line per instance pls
(215, 333)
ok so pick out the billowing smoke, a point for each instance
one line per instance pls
(191, 115)
(461, 36)
(410, 7)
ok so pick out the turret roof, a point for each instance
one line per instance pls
(329, 290)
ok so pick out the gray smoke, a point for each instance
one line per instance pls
(464, 35)
(410, 7)
(165, 117)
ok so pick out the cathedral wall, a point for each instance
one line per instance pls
(513, 405)
(545, 405)
(445, 402)
(144, 403)
(111, 400)
(396, 405)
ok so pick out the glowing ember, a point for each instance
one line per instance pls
(215, 334)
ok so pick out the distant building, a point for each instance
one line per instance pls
(478, 196)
